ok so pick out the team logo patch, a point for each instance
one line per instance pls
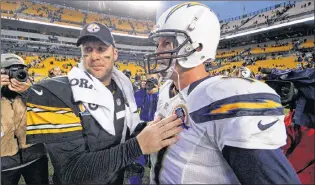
(118, 102)
(93, 28)
(182, 112)
(166, 106)
(83, 110)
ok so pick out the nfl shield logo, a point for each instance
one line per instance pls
(118, 101)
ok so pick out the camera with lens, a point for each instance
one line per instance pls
(127, 73)
(151, 83)
(16, 71)
(296, 89)
(283, 87)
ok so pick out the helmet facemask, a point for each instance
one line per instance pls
(164, 61)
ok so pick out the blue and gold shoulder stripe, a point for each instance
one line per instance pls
(257, 104)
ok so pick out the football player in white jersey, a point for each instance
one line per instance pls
(233, 127)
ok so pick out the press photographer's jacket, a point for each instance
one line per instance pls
(14, 150)
(147, 103)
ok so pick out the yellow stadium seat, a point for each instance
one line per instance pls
(72, 16)
(10, 5)
(121, 24)
(307, 44)
(280, 63)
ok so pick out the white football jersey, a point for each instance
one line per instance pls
(218, 111)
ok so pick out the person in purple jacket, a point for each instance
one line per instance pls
(146, 99)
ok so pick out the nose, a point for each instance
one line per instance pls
(95, 55)
(160, 48)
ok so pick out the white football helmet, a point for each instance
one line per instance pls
(190, 25)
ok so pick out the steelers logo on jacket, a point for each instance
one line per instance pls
(83, 110)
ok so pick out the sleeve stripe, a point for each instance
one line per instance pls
(42, 110)
(51, 117)
(51, 126)
(225, 108)
(53, 131)
(46, 108)
(43, 120)
(259, 104)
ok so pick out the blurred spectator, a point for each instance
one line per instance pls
(56, 71)
(147, 97)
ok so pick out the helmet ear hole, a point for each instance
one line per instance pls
(199, 47)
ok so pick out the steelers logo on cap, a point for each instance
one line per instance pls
(182, 112)
(93, 28)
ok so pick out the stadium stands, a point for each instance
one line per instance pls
(10, 6)
(93, 17)
(65, 16)
(270, 53)
(267, 47)
(280, 63)
(71, 17)
(280, 13)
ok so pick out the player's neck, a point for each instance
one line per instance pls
(188, 77)
(106, 80)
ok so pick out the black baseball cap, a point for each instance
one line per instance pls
(99, 31)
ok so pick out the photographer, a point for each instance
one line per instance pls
(55, 71)
(296, 89)
(18, 158)
(128, 74)
(147, 97)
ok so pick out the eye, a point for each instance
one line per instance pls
(168, 44)
(101, 49)
(88, 49)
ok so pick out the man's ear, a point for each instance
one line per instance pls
(115, 54)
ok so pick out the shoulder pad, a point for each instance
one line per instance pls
(54, 81)
(224, 87)
(58, 87)
(167, 84)
(222, 97)
(220, 87)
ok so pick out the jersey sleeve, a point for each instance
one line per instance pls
(276, 168)
(70, 160)
(49, 119)
(242, 114)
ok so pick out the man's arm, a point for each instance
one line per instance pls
(77, 166)
(257, 166)
(25, 94)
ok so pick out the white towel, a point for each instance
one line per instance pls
(101, 96)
